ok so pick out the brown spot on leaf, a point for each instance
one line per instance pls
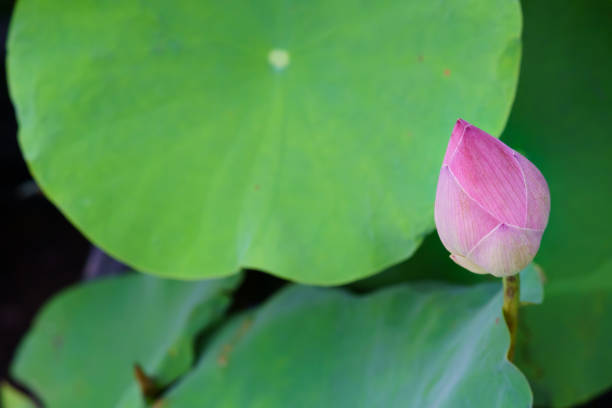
(497, 320)
(447, 72)
(257, 187)
(223, 358)
(58, 342)
(420, 58)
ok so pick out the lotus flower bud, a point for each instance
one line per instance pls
(492, 204)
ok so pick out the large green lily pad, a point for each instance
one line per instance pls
(561, 119)
(82, 349)
(191, 138)
(429, 345)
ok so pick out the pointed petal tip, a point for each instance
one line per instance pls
(456, 135)
(489, 173)
(461, 122)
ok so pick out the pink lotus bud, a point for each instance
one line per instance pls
(492, 204)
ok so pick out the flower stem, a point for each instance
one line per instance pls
(511, 308)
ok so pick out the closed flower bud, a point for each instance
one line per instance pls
(492, 204)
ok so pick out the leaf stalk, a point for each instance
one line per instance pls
(510, 308)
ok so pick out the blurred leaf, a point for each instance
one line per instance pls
(162, 131)
(11, 397)
(407, 346)
(564, 345)
(561, 119)
(84, 344)
(532, 289)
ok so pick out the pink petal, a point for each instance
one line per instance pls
(460, 221)
(487, 171)
(467, 264)
(538, 195)
(506, 250)
(455, 138)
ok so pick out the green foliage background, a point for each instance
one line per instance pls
(412, 344)
(165, 135)
(561, 120)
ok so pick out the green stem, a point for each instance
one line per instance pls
(511, 308)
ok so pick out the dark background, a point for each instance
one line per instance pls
(43, 253)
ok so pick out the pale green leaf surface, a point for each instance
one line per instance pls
(10, 397)
(427, 345)
(82, 347)
(162, 131)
